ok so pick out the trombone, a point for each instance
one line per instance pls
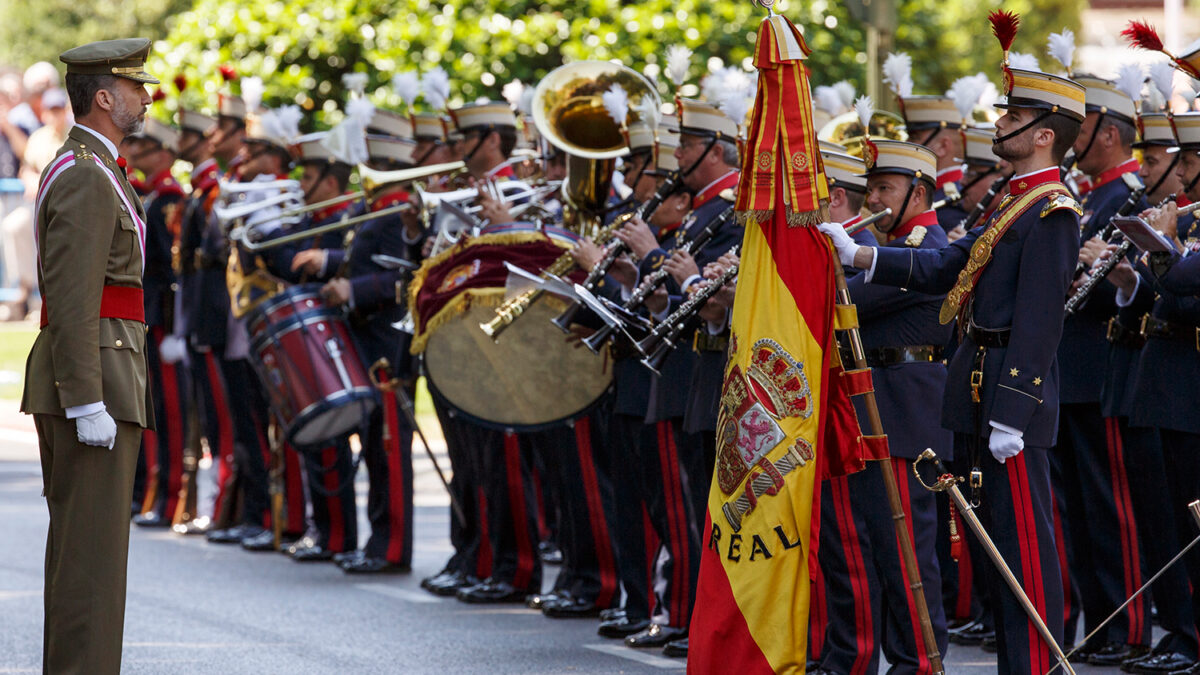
(373, 182)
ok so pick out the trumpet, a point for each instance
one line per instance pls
(869, 221)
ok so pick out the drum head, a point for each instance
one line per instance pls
(531, 378)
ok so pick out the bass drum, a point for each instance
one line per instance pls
(532, 377)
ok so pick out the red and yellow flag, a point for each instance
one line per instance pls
(785, 421)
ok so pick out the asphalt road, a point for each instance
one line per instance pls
(195, 607)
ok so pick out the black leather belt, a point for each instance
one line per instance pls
(991, 338)
(1120, 334)
(703, 341)
(1157, 328)
(889, 356)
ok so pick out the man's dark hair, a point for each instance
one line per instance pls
(284, 157)
(508, 140)
(1125, 131)
(927, 202)
(81, 89)
(339, 170)
(1065, 131)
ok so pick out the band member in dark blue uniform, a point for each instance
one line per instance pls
(937, 123)
(871, 604)
(1006, 281)
(1088, 464)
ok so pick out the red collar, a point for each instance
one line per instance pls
(926, 219)
(1182, 201)
(205, 175)
(1021, 184)
(727, 182)
(505, 171)
(853, 221)
(668, 229)
(1128, 166)
(951, 175)
(321, 215)
(389, 199)
(164, 182)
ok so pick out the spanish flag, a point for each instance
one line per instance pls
(785, 418)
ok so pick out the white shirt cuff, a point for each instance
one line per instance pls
(871, 269)
(1127, 300)
(688, 282)
(1007, 429)
(85, 410)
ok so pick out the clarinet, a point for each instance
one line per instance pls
(1136, 190)
(657, 278)
(972, 218)
(1103, 270)
(616, 249)
(662, 337)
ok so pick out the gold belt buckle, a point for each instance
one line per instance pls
(976, 383)
(1112, 327)
(1145, 320)
(976, 479)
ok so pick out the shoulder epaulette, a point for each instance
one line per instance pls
(83, 154)
(1062, 201)
(914, 238)
(728, 194)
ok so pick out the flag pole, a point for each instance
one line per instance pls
(907, 554)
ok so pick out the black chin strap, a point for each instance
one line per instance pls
(424, 156)
(1087, 148)
(478, 144)
(688, 171)
(904, 202)
(1170, 168)
(320, 177)
(1187, 189)
(1018, 132)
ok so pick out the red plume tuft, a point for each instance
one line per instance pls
(228, 73)
(1142, 34)
(1004, 27)
(180, 83)
(158, 95)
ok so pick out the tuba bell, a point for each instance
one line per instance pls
(846, 130)
(569, 113)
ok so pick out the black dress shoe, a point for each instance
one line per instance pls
(1157, 664)
(233, 535)
(550, 553)
(1116, 653)
(621, 627)
(656, 635)
(151, 519)
(308, 550)
(540, 600)
(612, 613)
(447, 584)
(491, 592)
(971, 634)
(368, 564)
(1194, 669)
(676, 648)
(344, 557)
(571, 608)
(261, 542)
(988, 644)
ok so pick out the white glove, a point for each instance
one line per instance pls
(96, 429)
(845, 246)
(1004, 445)
(172, 349)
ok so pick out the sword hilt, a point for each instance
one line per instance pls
(945, 479)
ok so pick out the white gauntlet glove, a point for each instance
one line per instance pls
(96, 429)
(845, 246)
(1004, 445)
(172, 349)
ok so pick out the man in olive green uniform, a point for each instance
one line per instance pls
(85, 380)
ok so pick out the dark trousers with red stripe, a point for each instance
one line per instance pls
(1181, 454)
(212, 402)
(575, 456)
(1157, 528)
(329, 481)
(871, 604)
(669, 468)
(472, 551)
(250, 448)
(1016, 510)
(631, 443)
(511, 509)
(1090, 480)
(169, 386)
(387, 452)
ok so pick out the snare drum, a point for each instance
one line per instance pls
(310, 367)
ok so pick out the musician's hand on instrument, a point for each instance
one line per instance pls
(624, 271)
(1078, 283)
(427, 247)
(492, 209)
(713, 311)
(1166, 221)
(957, 232)
(1004, 445)
(637, 236)
(586, 254)
(724, 297)
(728, 260)
(1090, 250)
(713, 270)
(681, 265)
(657, 301)
(310, 261)
(1124, 277)
(336, 292)
(577, 334)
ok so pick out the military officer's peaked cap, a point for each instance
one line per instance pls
(122, 58)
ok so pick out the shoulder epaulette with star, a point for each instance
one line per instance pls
(1062, 201)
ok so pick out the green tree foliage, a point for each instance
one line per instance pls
(40, 30)
(301, 48)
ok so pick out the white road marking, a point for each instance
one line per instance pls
(418, 597)
(637, 655)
